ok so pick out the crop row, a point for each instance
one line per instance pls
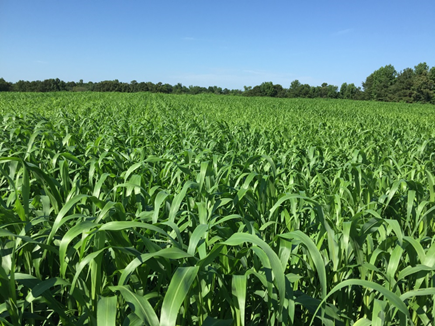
(180, 210)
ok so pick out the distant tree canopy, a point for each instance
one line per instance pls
(409, 85)
(385, 84)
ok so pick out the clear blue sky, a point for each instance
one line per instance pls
(224, 43)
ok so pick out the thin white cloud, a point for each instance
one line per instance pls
(343, 32)
(253, 72)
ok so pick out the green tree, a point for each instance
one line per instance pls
(215, 89)
(5, 86)
(295, 88)
(343, 90)
(331, 91)
(267, 89)
(195, 90)
(421, 69)
(323, 90)
(150, 87)
(304, 91)
(179, 89)
(280, 91)
(432, 74)
(422, 84)
(69, 86)
(432, 78)
(314, 92)
(134, 86)
(378, 86)
(403, 86)
(351, 91)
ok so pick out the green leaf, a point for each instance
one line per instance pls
(197, 234)
(43, 286)
(25, 190)
(416, 293)
(169, 253)
(106, 311)
(288, 197)
(65, 209)
(176, 202)
(239, 291)
(177, 291)
(67, 238)
(132, 169)
(84, 262)
(363, 322)
(122, 225)
(97, 189)
(315, 256)
(72, 158)
(394, 300)
(161, 196)
(278, 272)
(142, 308)
(393, 264)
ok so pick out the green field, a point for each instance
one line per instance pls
(152, 209)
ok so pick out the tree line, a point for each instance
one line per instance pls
(385, 84)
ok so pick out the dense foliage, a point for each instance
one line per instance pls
(385, 84)
(154, 209)
(410, 85)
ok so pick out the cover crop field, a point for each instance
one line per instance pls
(152, 209)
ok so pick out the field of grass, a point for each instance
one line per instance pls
(152, 209)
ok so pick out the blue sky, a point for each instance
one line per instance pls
(224, 43)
